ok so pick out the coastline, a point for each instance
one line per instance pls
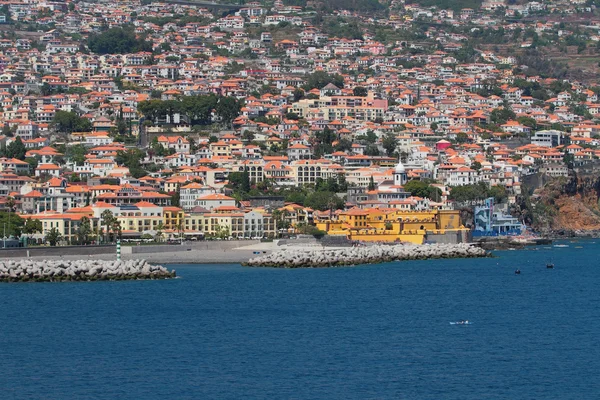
(184, 257)
(189, 253)
(230, 252)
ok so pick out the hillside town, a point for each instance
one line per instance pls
(160, 121)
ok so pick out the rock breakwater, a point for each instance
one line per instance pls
(82, 270)
(313, 258)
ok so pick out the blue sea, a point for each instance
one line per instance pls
(367, 332)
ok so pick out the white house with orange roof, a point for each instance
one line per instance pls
(299, 152)
(36, 142)
(98, 166)
(13, 165)
(178, 160)
(462, 176)
(215, 200)
(27, 130)
(47, 170)
(98, 139)
(189, 194)
(177, 143)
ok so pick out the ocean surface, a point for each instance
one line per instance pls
(368, 332)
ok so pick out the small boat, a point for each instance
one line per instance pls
(561, 245)
(517, 272)
(550, 265)
(461, 322)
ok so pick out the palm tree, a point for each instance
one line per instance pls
(10, 205)
(107, 220)
(84, 231)
(159, 230)
(116, 227)
(180, 229)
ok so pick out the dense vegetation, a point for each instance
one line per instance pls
(456, 5)
(68, 122)
(478, 191)
(198, 109)
(321, 79)
(352, 5)
(118, 40)
(423, 189)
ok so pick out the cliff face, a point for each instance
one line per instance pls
(565, 205)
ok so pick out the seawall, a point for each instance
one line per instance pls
(23, 252)
(299, 258)
(81, 270)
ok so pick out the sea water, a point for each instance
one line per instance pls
(367, 332)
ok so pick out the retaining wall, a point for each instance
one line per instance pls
(202, 245)
(57, 251)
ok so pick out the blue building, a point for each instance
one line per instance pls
(491, 222)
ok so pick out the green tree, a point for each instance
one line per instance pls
(33, 163)
(14, 224)
(84, 231)
(321, 79)
(159, 232)
(107, 219)
(32, 226)
(360, 91)
(389, 143)
(423, 189)
(16, 149)
(69, 121)
(131, 159)
(77, 153)
(462, 137)
(280, 219)
(372, 150)
(499, 116)
(6, 131)
(371, 183)
(472, 192)
(298, 94)
(323, 201)
(53, 237)
(228, 108)
(498, 193)
(239, 181)
(118, 40)
(64, 121)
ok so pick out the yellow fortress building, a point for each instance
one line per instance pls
(392, 225)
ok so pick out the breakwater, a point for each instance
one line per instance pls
(81, 270)
(310, 258)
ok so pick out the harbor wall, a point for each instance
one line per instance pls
(312, 258)
(23, 252)
(189, 246)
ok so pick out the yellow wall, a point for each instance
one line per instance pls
(390, 226)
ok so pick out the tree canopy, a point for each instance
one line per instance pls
(197, 109)
(477, 191)
(16, 149)
(423, 189)
(118, 40)
(390, 142)
(320, 79)
(323, 201)
(131, 159)
(69, 121)
(14, 224)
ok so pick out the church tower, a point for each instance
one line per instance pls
(400, 177)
